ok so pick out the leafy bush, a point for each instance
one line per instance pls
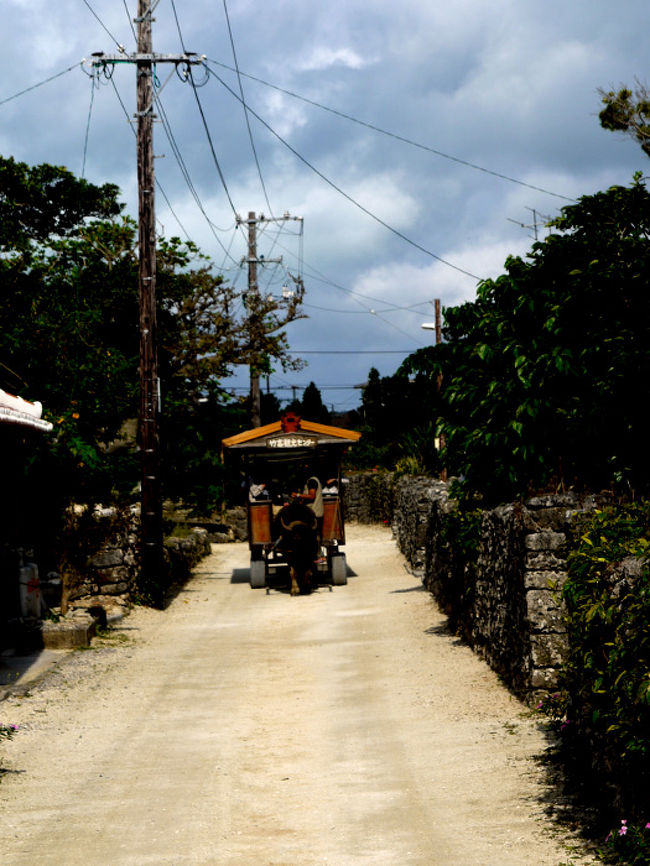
(607, 672)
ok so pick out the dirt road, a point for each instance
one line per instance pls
(345, 728)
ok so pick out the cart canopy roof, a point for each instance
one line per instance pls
(291, 434)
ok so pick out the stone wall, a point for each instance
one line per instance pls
(107, 578)
(368, 497)
(505, 602)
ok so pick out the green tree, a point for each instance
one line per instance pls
(545, 374)
(397, 421)
(628, 111)
(69, 333)
(42, 201)
(312, 407)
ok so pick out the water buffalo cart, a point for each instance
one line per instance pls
(283, 464)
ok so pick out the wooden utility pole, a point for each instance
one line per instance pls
(438, 322)
(148, 429)
(254, 322)
(149, 436)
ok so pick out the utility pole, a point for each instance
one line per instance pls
(436, 326)
(255, 323)
(149, 436)
(151, 553)
(438, 321)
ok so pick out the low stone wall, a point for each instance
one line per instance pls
(368, 497)
(506, 601)
(413, 501)
(108, 577)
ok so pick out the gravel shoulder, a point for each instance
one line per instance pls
(237, 727)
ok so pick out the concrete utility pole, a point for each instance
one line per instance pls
(149, 417)
(255, 323)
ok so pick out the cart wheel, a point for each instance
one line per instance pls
(339, 569)
(258, 573)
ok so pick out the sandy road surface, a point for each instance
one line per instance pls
(345, 727)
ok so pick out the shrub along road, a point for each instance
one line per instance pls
(346, 728)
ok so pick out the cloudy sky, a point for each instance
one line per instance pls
(501, 98)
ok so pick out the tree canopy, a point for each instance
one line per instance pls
(69, 335)
(544, 375)
(398, 415)
(628, 111)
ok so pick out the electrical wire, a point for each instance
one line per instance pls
(391, 309)
(93, 84)
(355, 296)
(119, 45)
(346, 195)
(185, 172)
(158, 184)
(243, 102)
(129, 16)
(41, 83)
(395, 135)
(186, 176)
(190, 78)
(211, 144)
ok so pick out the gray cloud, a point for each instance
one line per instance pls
(509, 85)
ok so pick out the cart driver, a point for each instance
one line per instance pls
(312, 496)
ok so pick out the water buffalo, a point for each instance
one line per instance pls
(296, 534)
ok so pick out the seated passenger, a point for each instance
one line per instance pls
(258, 492)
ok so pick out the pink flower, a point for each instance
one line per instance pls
(623, 829)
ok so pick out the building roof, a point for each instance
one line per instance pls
(22, 413)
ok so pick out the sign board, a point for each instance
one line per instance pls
(292, 440)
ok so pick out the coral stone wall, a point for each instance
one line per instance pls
(108, 577)
(506, 602)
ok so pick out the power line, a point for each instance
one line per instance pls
(93, 84)
(395, 135)
(128, 15)
(210, 143)
(392, 309)
(185, 173)
(158, 184)
(341, 191)
(190, 78)
(41, 83)
(119, 45)
(248, 123)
